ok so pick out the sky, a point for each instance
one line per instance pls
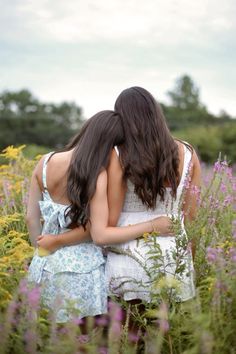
(88, 51)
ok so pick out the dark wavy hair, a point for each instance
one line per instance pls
(92, 149)
(150, 154)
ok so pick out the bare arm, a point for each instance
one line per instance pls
(193, 191)
(116, 194)
(103, 234)
(69, 238)
(33, 212)
(192, 195)
(116, 189)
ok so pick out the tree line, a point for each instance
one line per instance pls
(26, 120)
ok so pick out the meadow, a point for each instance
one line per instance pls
(204, 325)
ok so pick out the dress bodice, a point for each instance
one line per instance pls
(170, 205)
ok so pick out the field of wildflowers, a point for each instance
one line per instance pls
(204, 325)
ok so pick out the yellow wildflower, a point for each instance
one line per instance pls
(3, 274)
(203, 231)
(42, 252)
(151, 313)
(167, 282)
(4, 167)
(146, 236)
(17, 187)
(11, 152)
(38, 157)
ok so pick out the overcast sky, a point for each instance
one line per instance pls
(88, 51)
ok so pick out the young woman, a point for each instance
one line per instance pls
(156, 168)
(69, 189)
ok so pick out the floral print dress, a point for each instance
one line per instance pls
(72, 279)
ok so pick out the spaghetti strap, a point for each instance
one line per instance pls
(117, 151)
(44, 172)
(186, 167)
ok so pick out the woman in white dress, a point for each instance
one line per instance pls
(155, 170)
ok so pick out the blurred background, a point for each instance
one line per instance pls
(62, 61)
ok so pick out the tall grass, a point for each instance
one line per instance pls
(206, 324)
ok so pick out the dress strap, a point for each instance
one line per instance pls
(44, 173)
(186, 166)
(117, 150)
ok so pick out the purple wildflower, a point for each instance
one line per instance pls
(63, 330)
(31, 340)
(116, 329)
(102, 321)
(83, 338)
(23, 287)
(115, 311)
(133, 337)
(228, 200)
(234, 227)
(220, 166)
(221, 286)
(232, 253)
(213, 254)
(223, 188)
(78, 321)
(34, 297)
(102, 350)
(164, 325)
(163, 318)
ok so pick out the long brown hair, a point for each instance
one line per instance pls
(92, 149)
(149, 154)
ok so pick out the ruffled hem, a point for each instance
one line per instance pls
(73, 295)
(40, 264)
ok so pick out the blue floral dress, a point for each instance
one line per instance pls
(72, 279)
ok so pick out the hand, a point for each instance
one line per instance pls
(163, 225)
(48, 242)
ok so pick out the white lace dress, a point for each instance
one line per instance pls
(130, 276)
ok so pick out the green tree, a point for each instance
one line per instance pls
(186, 109)
(185, 96)
(24, 119)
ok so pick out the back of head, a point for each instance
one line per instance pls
(149, 154)
(92, 149)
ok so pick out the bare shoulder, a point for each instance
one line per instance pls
(196, 166)
(38, 170)
(102, 181)
(196, 161)
(114, 163)
(180, 146)
(39, 166)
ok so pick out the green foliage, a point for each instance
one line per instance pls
(210, 141)
(186, 109)
(228, 138)
(185, 96)
(25, 120)
(206, 140)
(31, 151)
(189, 120)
